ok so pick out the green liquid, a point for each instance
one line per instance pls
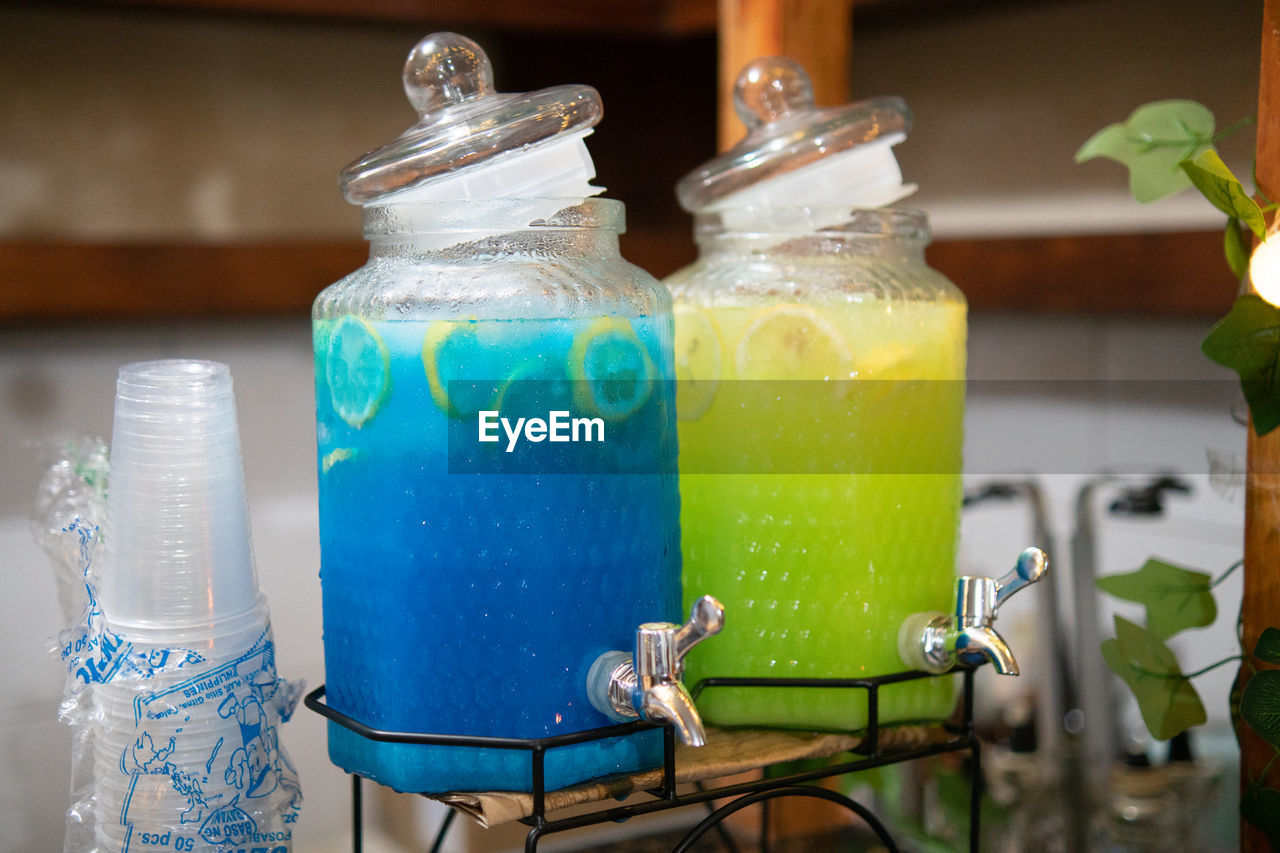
(817, 570)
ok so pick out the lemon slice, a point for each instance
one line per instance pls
(892, 361)
(534, 387)
(612, 371)
(358, 369)
(452, 352)
(792, 342)
(333, 457)
(698, 362)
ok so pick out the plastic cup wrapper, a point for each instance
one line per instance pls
(172, 692)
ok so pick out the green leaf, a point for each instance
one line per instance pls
(1260, 705)
(1268, 646)
(1175, 598)
(1215, 181)
(1152, 143)
(1261, 807)
(1247, 340)
(1237, 247)
(1168, 702)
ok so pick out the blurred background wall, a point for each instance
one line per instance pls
(122, 124)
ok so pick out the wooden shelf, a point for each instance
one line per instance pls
(1162, 274)
(1139, 274)
(636, 17)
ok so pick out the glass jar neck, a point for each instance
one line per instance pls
(813, 232)
(585, 228)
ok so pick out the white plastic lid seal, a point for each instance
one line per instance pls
(472, 142)
(796, 154)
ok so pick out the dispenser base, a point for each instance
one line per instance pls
(436, 769)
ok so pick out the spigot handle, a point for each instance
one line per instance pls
(933, 642)
(706, 619)
(619, 682)
(1031, 566)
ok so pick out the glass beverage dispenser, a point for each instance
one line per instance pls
(821, 400)
(468, 590)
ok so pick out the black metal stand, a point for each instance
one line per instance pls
(743, 794)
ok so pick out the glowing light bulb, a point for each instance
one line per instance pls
(1264, 269)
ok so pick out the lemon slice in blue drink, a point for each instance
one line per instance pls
(334, 457)
(457, 363)
(612, 372)
(358, 370)
(698, 362)
(537, 386)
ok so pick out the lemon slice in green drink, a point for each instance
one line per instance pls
(612, 371)
(891, 361)
(792, 342)
(358, 369)
(698, 362)
(885, 369)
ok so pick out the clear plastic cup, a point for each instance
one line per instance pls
(184, 728)
(177, 553)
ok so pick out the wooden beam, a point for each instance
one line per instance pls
(816, 33)
(1141, 274)
(1163, 274)
(55, 281)
(1260, 607)
(635, 17)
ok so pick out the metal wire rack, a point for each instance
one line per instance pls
(870, 753)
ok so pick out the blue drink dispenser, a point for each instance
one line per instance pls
(470, 583)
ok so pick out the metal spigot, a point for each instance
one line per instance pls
(647, 683)
(935, 642)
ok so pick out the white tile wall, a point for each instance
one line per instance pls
(1151, 402)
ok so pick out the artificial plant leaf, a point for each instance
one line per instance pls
(1260, 705)
(1268, 646)
(1168, 702)
(1261, 807)
(1216, 182)
(1237, 247)
(1175, 598)
(1152, 143)
(1247, 340)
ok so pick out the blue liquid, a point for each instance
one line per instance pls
(474, 604)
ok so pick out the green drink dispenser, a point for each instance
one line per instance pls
(820, 365)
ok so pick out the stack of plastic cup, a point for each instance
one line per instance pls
(177, 537)
(185, 753)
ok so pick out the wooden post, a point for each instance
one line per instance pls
(819, 35)
(816, 33)
(1261, 604)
